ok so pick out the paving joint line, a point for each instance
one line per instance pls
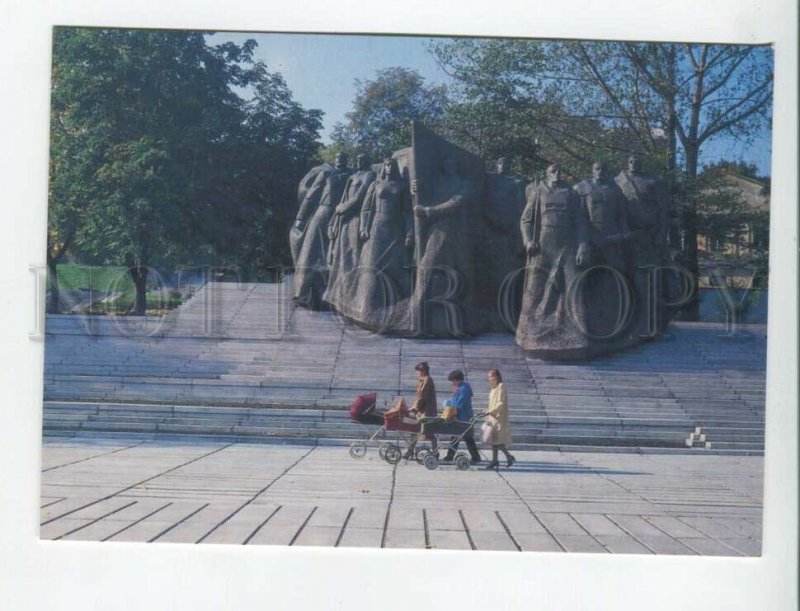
(508, 531)
(257, 494)
(336, 359)
(260, 526)
(132, 524)
(178, 523)
(63, 498)
(303, 525)
(713, 538)
(344, 527)
(630, 534)
(105, 515)
(389, 506)
(425, 529)
(144, 481)
(466, 529)
(586, 530)
(75, 462)
(533, 513)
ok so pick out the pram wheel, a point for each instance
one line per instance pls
(432, 461)
(392, 454)
(420, 454)
(358, 449)
(382, 450)
(462, 462)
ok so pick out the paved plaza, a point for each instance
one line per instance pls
(144, 490)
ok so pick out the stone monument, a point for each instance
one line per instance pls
(500, 255)
(445, 185)
(605, 285)
(646, 251)
(428, 249)
(386, 232)
(555, 232)
(343, 232)
(313, 218)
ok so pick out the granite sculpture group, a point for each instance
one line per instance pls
(428, 244)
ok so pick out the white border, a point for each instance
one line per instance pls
(43, 575)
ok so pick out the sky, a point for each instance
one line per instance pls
(321, 69)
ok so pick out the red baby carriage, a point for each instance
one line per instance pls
(390, 449)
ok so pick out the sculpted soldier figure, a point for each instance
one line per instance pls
(648, 218)
(310, 276)
(386, 230)
(500, 248)
(442, 297)
(647, 201)
(555, 233)
(343, 230)
(605, 286)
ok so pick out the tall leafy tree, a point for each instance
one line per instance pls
(158, 162)
(665, 101)
(383, 110)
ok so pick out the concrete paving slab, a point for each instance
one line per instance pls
(532, 542)
(301, 495)
(748, 547)
(361, 537)
(413, 538)
(56, 530)
(709, 547)
(521, 522)
(598, 525)
(673, 527)
(498, 541)
(560, 524)
(622, 544)
(162, 521)
(580, 543)
(449, 539)
(283, 527)
(325, 536)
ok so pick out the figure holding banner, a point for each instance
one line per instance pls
(444, 262)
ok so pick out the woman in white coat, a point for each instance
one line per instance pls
(497, 418)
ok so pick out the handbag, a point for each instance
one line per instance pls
(487, 433)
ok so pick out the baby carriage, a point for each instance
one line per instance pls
(454, 431)
(391, 450)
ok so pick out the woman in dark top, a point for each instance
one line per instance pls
(424, 405)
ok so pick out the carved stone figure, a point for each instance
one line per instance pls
(343, 231)
(605, 286)
(444, 261)
(383, 276)
(306, 206)
(555, 232)
(500, 255)
(648, 218)
(310, 275)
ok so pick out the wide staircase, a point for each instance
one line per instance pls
(240, 362)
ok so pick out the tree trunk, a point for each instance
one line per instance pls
(53, 305)
(139, 277)
(691, 310)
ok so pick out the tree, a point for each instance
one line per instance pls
(383, 109)
(735, 226)
(664, 100)
(157, 161)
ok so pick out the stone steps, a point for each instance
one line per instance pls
(241, 357)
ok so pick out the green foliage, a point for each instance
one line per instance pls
(157, 161)
(383, 110)
(580, 101)
(111, 288)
